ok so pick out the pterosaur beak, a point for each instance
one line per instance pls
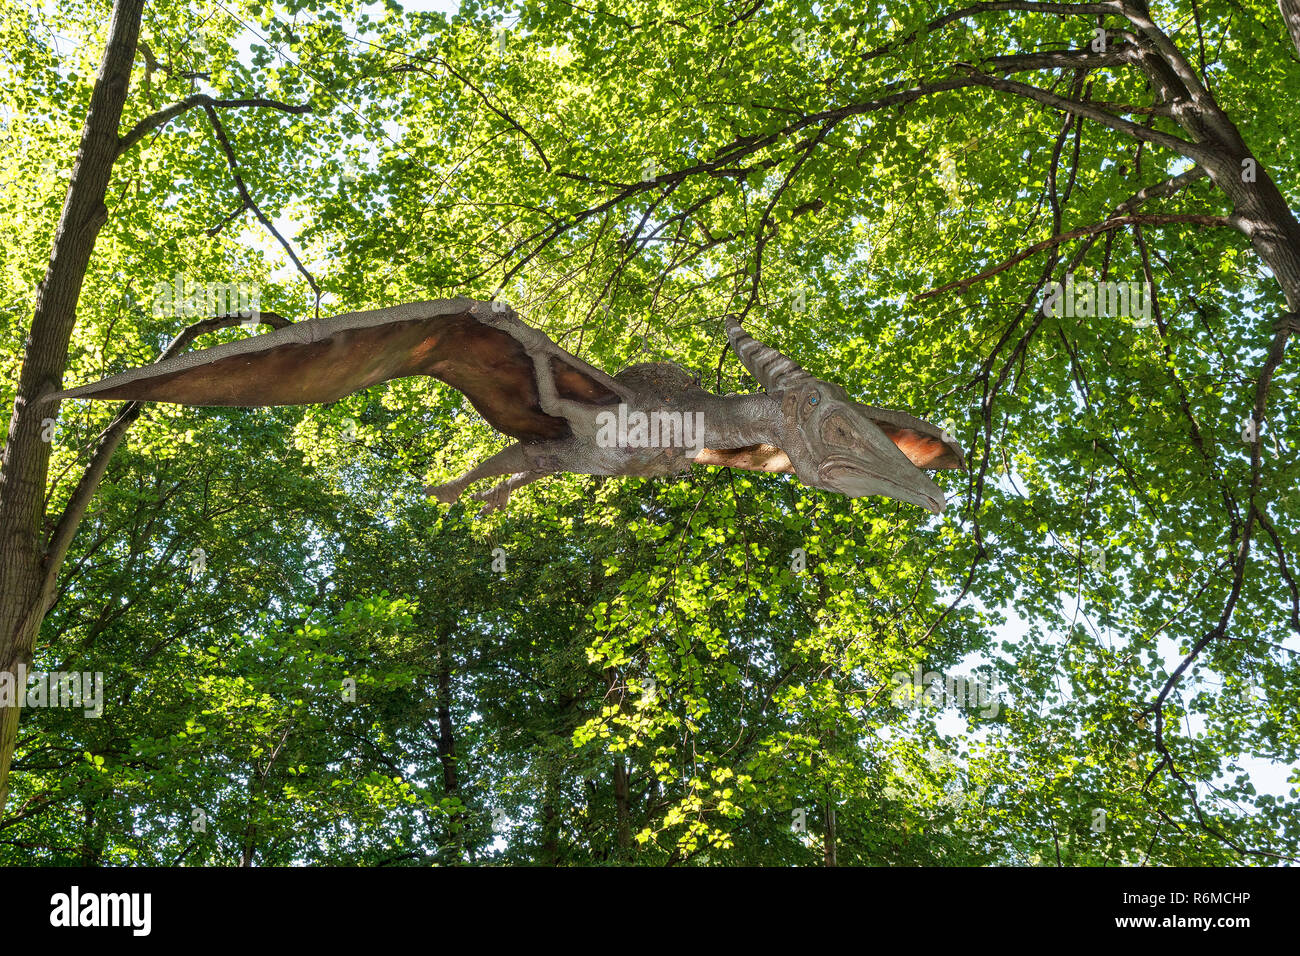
(894, 477)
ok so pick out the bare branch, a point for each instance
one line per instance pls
(997, 6)
(251, 205)
(899, 96)
(1093, 112)
(66, 528)
(1162, 190)
(1118, 54)
(1117, 222)
(1168, 52)
(500, 111)
(168, 113)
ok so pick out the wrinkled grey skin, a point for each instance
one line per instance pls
(799, 424)
(829, 438)
(831, 442)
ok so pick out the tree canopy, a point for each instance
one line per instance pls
(1089, 659)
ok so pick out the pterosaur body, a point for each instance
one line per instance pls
(565, 415)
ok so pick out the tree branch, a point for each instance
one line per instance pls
(1119, 53)
(66, 528)
(996, 6)
(1117, 222)
(1091, 111)
(168, 113)
(251, 205)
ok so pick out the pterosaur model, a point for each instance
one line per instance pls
(649, 419)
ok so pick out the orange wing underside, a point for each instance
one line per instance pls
(923, 451)
(751, 458)
(484, 363)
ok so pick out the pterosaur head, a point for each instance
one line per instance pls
(837, 444)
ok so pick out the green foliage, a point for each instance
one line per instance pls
(656, 676)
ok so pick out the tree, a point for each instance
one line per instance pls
(32, 554)
(926, 206)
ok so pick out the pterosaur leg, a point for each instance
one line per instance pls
(497, 496)
(509, 461)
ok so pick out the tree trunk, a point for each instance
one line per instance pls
(248, 845)
(551, 817)
(828, 843)
(447, 740)
(26, 583)
(829, 852)
(92, 841)
(446, 730)
(623, 806)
